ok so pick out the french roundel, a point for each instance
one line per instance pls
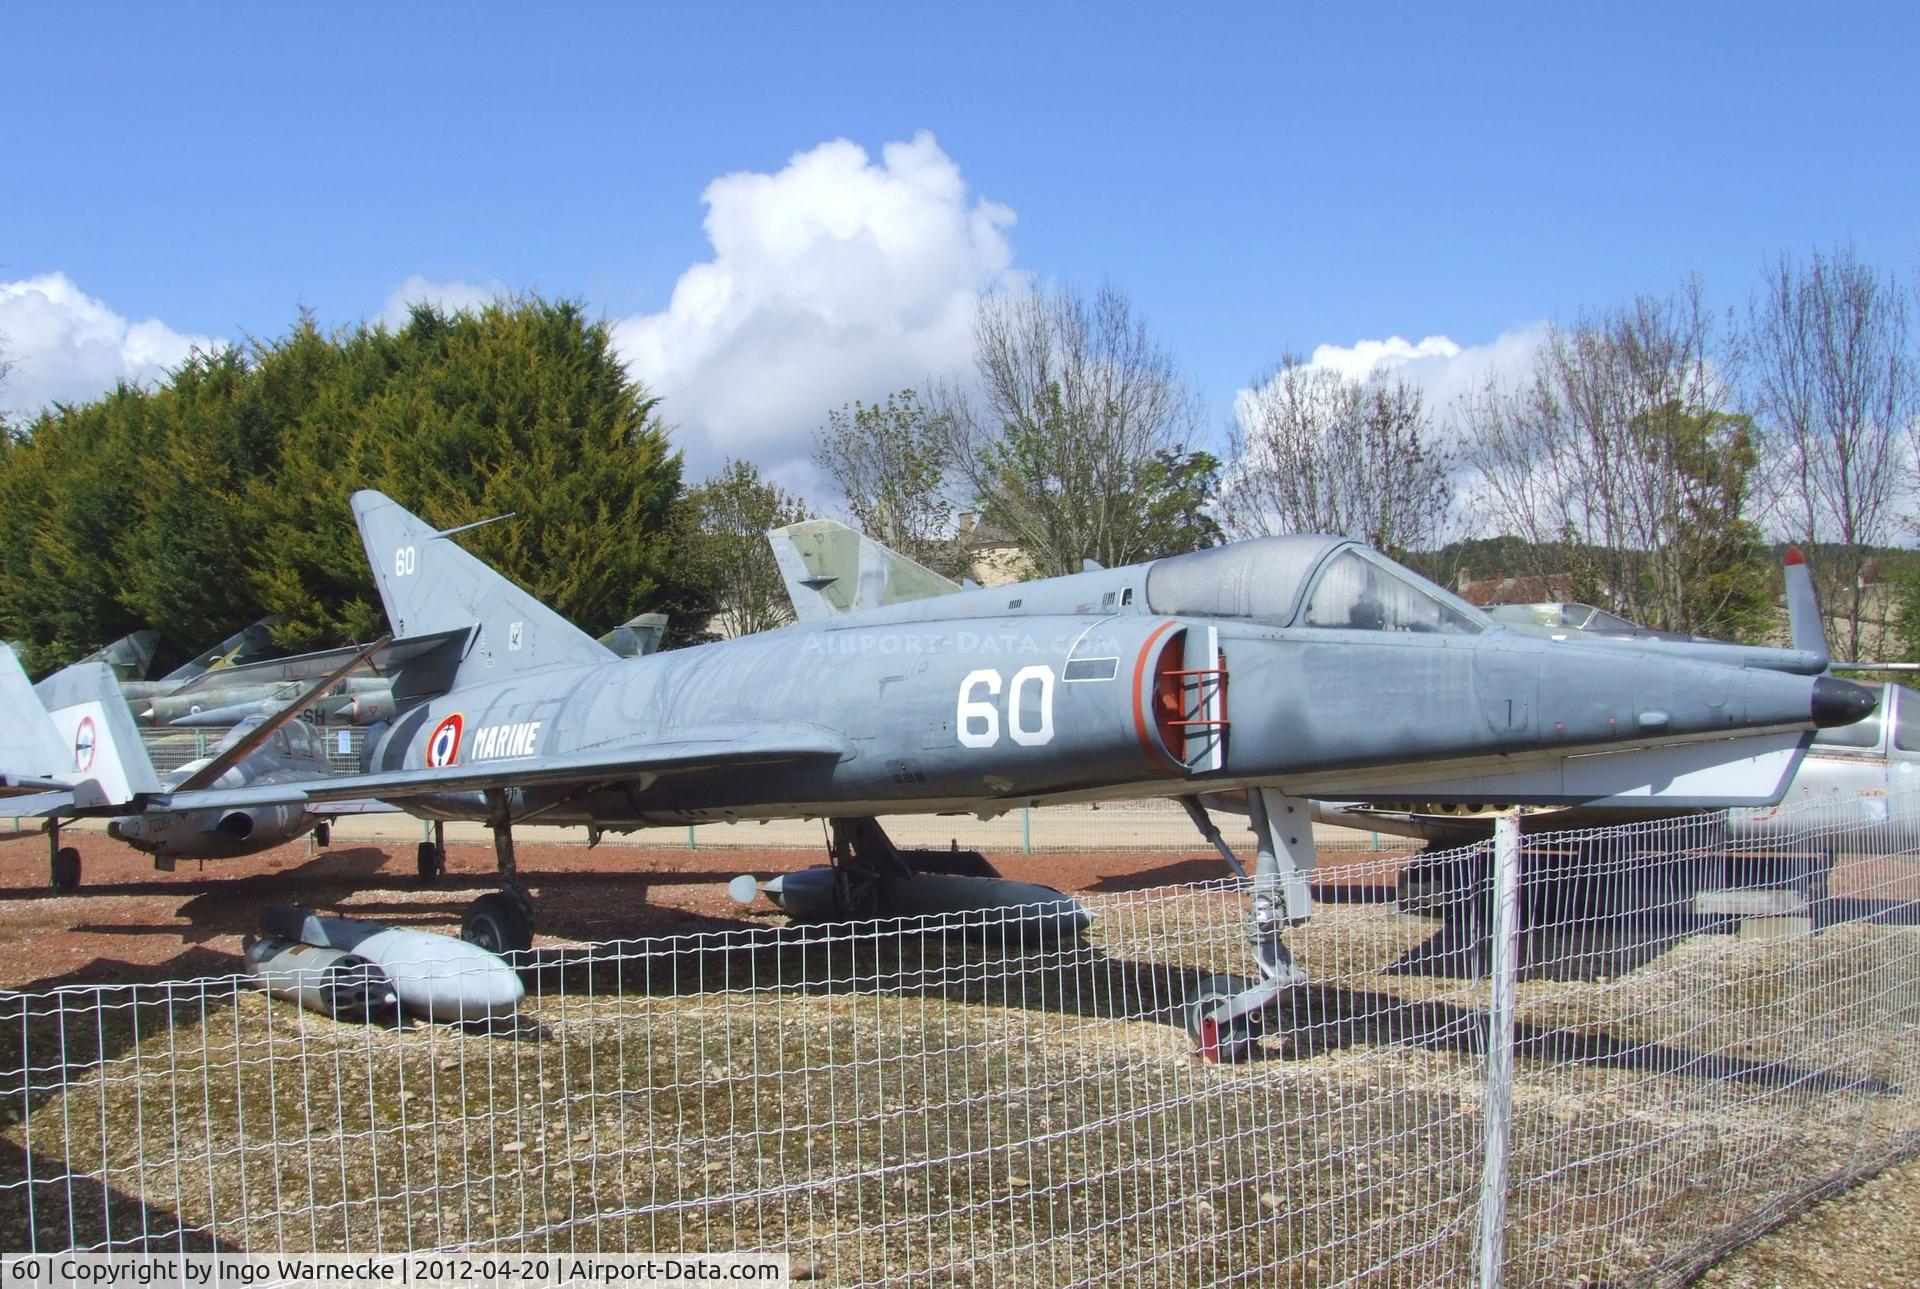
(84, 741)
(443, 747)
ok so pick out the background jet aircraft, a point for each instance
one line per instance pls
(235, 694)
(293, 753)
(1350, 677)
(71, 750)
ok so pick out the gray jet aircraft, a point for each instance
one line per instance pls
(1285, 668)
(831, 569)
(72, 752)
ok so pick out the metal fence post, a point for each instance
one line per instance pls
(1503, 968)
(1026, 830)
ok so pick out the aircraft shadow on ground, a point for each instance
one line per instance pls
(1606, 947)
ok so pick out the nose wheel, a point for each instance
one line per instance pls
(1222, 1034)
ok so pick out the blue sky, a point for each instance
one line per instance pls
(1258, 179)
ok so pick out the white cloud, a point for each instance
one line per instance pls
(831, 280)
(68, 347)
(448, 297)
(1437, 366)
(1445, 372)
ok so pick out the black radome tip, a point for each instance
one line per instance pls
(1842, 702)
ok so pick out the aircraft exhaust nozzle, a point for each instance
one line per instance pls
(1842, 702)
(332, 982)
(235, 825)
(367, 711)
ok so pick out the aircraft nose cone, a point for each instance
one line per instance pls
(1842, 702)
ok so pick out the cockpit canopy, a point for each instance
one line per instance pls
(295, 739)
(1342, 585)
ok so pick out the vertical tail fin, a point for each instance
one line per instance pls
(830, 569)
(251, 643)
(131, 656)
(431, 587)
(95, 733)
(30, 749)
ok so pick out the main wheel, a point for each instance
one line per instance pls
(497, 923)
(1227, 1042)
(322, 833)
(431, 861)
(66, 869)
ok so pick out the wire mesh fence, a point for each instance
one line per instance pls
(1710, 1028)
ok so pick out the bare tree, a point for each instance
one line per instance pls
(1617, 459)
(892, 462)
(1077, 440)
(1833, 381)
(733, 511)
(1314, 451)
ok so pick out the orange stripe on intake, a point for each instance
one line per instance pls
(1140, 666)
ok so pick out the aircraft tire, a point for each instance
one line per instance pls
(322, 833)
(497, 923)
(430, 861)
(66, 869)
(1230, 1043)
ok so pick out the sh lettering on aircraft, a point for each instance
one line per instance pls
(977, 716)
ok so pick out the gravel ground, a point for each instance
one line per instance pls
(1868, 1238)
(132, 923)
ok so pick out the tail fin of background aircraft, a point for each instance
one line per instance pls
(1803, 611)
(638, 636)
(432, 587)
(831, 569)
(131, 656)
(251, 643)
(30, 750)
(95, 732)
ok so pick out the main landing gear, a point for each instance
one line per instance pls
(430, 857)
(500, 921)
(63, 866)
(1225, 1014)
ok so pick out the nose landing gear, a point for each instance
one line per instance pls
(1226, 1014)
